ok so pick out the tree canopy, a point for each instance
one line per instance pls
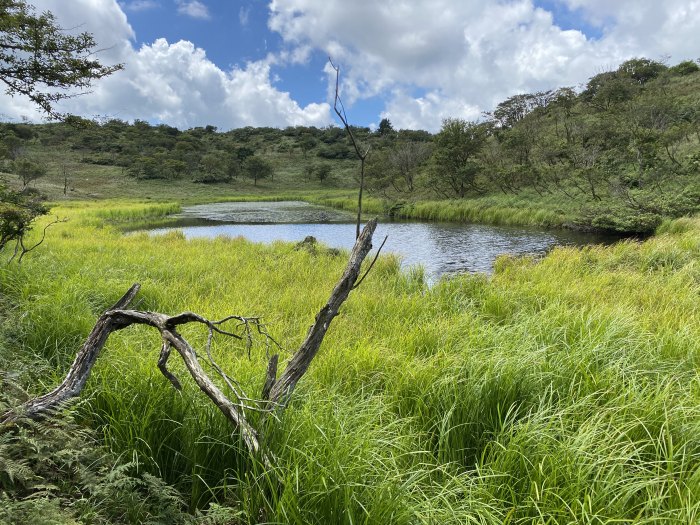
(43, 61)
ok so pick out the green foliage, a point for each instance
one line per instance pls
(642, 70)
(561, 390)
(17, 213)
(257, 168)
(385, 128)
(28, 170)
(42, 61)
(687, 67)
(455, 167)
(322, 171)
(56, 472)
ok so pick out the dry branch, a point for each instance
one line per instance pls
(339, 109)
(275, 392)
(300, 361)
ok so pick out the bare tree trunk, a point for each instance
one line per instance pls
(340, 111)
(80, 370)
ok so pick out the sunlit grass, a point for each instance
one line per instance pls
(564, 390)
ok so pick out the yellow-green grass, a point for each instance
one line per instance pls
(525, 210)
(563, 390)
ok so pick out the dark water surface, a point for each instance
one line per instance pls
(441, 248)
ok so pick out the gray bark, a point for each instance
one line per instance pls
(275, 393)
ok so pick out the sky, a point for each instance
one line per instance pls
(235, 63)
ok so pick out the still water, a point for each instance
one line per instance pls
(441, 248)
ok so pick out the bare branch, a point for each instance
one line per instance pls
(162, 361)
(340, 111)
(275, 393)
(376, 256)
(300, 361)
(20, 242)
(270, 377)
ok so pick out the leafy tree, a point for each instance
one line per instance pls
(455, 163)
(11, 146)
(323, 171)
(687, 67)
(396, 168)
(213, 167)
(385, 128)
(17, 212)
(28, 170)
(257, 168)
(41, 60)
(642, 70)
(244, 152)
(145, 167)
(515, 108)
(307, 142)
(609, 89)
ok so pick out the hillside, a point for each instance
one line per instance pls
(621, 154)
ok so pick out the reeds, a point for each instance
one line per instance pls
(565, 390)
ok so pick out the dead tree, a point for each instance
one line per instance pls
(276, 391)
(21, 249)
(362, 155)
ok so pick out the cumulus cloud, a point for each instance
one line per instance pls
(427, 59)
(467, 56)
(173, 83)
(193, 8)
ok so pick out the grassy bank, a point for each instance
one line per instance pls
(496, 209)
(564, 390)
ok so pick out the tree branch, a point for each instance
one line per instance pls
(275, 392)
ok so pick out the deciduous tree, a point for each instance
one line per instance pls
(41, 60)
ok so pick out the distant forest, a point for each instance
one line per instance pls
(624, 150)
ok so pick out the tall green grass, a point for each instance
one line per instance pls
(564, 390)
(491, 210)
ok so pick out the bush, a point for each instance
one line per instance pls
(687, 67)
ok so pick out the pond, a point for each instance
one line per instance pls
(441, 248)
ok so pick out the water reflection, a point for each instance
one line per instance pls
(441, 248)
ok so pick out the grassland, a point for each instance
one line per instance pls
(564, 390)
(90, 182)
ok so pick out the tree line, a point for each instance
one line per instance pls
(622, 151)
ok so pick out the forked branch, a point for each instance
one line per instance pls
(275, 392)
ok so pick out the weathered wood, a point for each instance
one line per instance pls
(300, 361)
(275, 393)
(79, 371)
(270, 377)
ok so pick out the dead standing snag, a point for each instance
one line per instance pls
(362, 155)
(235, 406)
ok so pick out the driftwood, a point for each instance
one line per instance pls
(276, 391)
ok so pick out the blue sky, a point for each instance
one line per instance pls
(234, 63)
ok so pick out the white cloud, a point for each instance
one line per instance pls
(173, 83)
(139, 5)
(466, 56)
(427, 59)
(244, 16)
(193, 8)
